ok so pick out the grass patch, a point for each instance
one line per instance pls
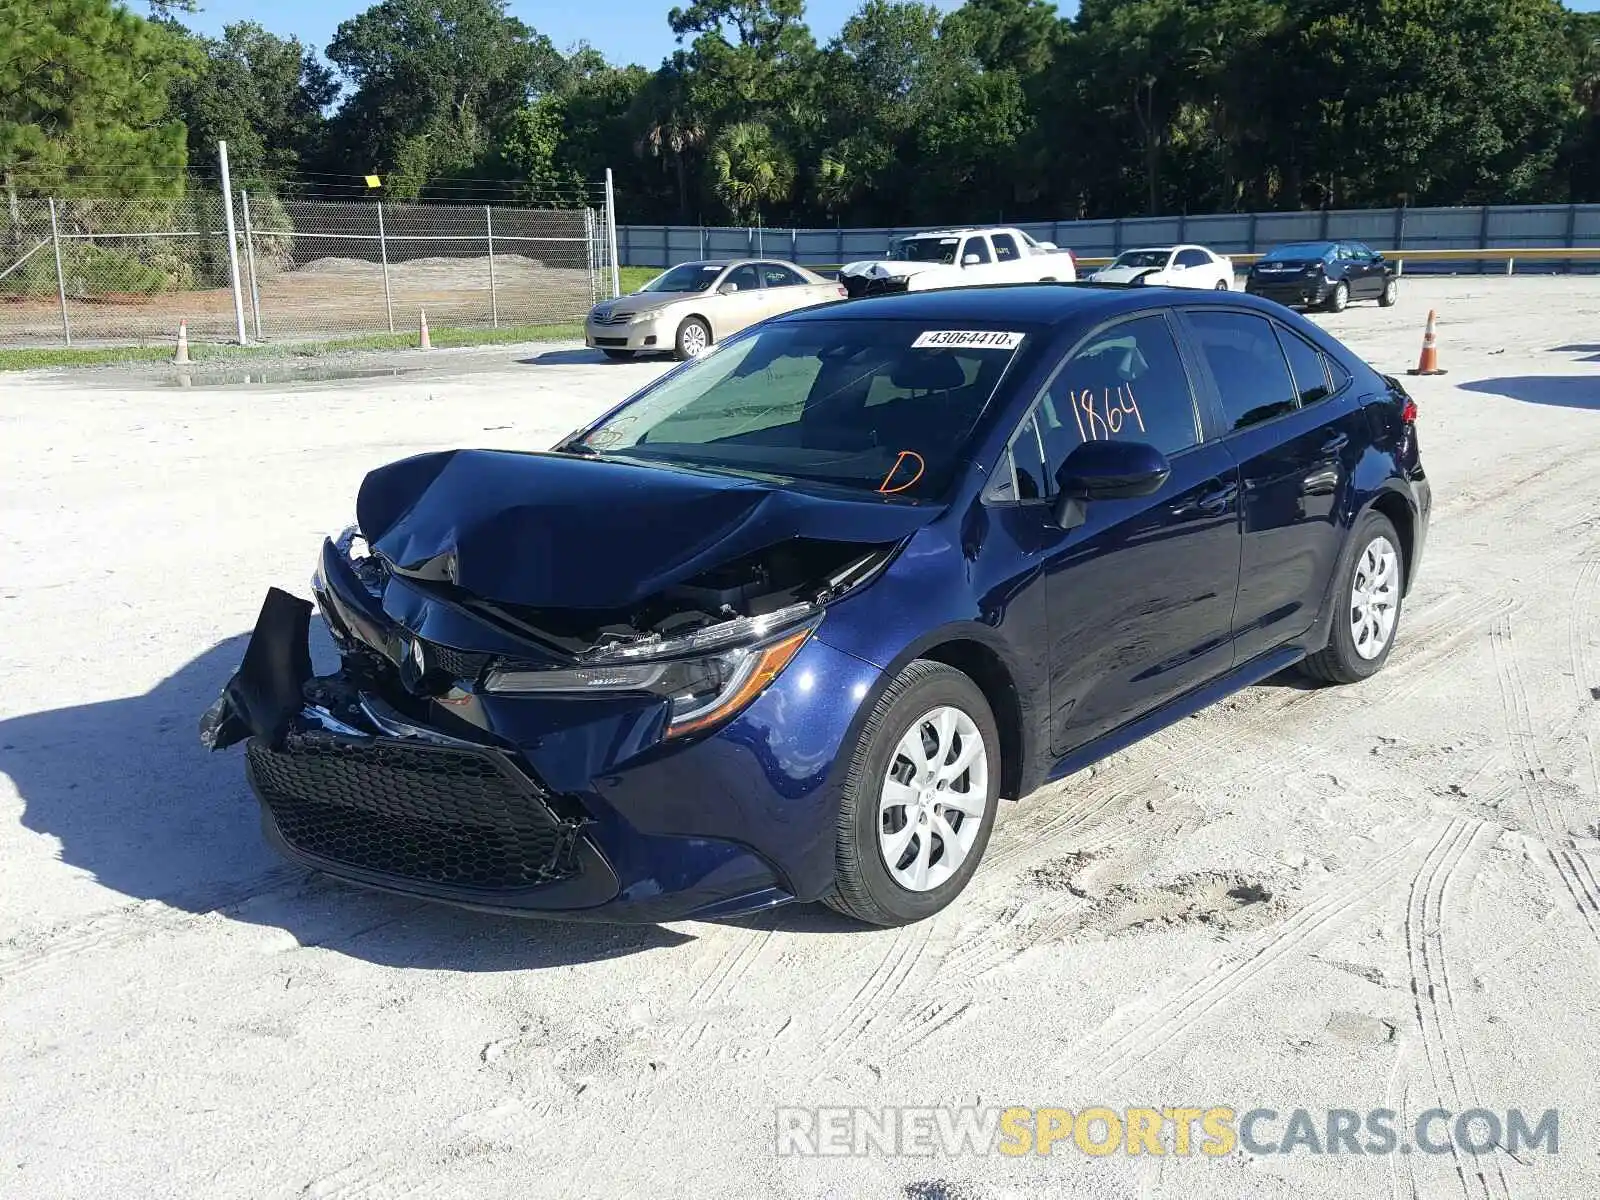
(634, 278)
(31, 359)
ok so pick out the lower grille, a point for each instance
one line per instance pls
(608, 341)
(434, 814)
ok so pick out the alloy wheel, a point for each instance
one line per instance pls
(933, 799)
(1375, 598)
(694, 339)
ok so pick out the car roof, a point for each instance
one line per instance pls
(1025, 303)
(733, 262)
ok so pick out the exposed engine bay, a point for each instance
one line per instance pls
(775, 582)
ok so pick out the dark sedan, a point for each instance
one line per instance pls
(791, 621)
(1323, 275)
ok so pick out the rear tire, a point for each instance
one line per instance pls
(1340, 299)
(1369, 584)
(694, 339)
(617, 355)
(927, 706)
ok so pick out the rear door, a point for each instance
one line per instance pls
(1010, 265)
(1296, 433)
(1141, 595)
(785, 290)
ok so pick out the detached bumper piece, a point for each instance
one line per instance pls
(440, 815)
(350, 788)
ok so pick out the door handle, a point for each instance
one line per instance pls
(1217, 499)
(1336, 443)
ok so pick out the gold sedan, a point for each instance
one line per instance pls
(696, 304)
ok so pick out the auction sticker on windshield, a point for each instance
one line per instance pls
(951, 339)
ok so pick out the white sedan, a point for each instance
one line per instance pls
(1170, 266)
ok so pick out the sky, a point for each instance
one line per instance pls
(631, 30)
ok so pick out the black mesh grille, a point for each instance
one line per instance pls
(441, 815)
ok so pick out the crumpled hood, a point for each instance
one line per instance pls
(549, 530)
(888, 268)
(1124, 274)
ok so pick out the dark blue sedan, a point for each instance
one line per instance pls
(790, 622)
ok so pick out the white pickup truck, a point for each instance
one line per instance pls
(959, 258)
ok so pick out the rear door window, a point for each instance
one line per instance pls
(1194, 258)
(1247, 364)
(1005, 247)
(1306, 365)
(775, 275)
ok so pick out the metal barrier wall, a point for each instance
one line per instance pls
(1505, 229)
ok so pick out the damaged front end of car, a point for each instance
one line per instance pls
(520, 725)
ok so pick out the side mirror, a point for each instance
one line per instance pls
(1180, 266)
(727, 289)
(1107, 471)
(971, 260)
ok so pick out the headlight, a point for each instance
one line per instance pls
(704, 688)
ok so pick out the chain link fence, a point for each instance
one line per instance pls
(119, 270)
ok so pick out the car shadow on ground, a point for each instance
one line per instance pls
(132, 799)
(1560, 391)
(579, 356)
(1590, 350)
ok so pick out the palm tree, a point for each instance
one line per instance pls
(672, 133)
(750, 167)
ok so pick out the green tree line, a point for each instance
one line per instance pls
(996, 109)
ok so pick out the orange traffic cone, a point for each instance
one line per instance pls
(426, 343)
(181, 358)
(1428, 364)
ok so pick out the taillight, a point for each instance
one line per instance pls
(843, 294)
(1408, 411)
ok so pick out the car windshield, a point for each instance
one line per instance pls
(1143, 258)
(1298, 250)
(925, 249)
(689, 277)
(877, 406)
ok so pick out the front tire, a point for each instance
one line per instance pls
(1222, 286)
(1391, 293)
(693, 340)
(919, 799)
(1340, 299)
(1366, 620)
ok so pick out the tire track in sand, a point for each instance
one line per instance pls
(1550, 820)
(1156, 1020)
(41, 950)
(1444, 1047)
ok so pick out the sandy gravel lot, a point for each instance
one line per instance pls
(1380, 896)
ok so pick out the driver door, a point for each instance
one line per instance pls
(1140, 596)
(745, 304)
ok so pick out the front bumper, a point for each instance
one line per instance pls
(650, 333)
(556, 806)
(856, 286)
(1297, 290)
